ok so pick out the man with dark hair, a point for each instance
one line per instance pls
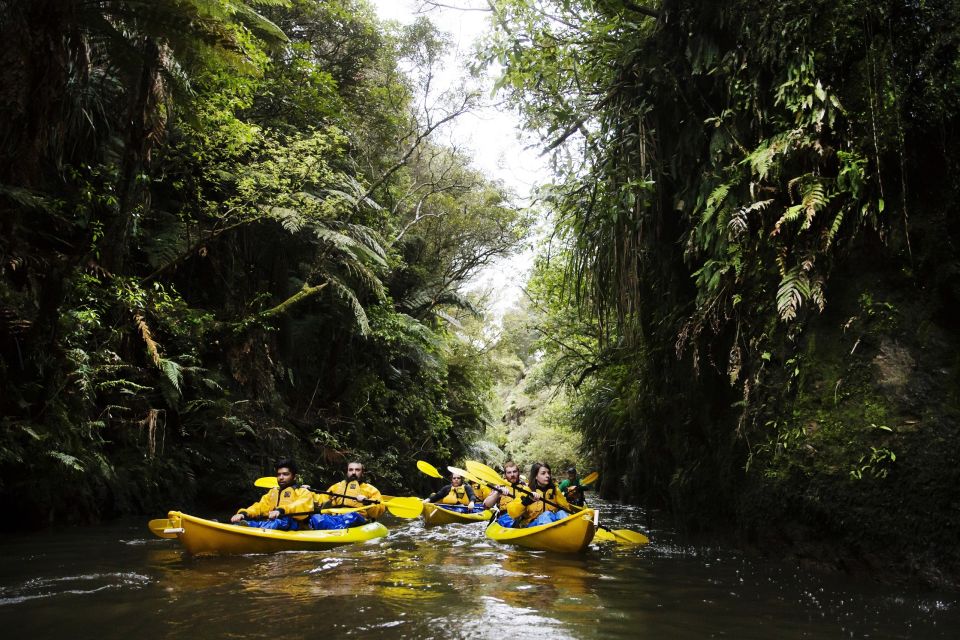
(350, 493)
(572, 489)
(271, 511)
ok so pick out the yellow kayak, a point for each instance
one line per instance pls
(435, 515)
(203, 537)
(570, 535)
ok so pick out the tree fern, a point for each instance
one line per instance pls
(345, 293)
(69, 461)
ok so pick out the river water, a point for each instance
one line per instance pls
(118, 581)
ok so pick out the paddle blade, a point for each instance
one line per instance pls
(405, 507)
(266, 482)
(589, 479)
(626, 536)
(485, 473)
(429, 469)
(466, 475)
(158, 526)
(602, 535)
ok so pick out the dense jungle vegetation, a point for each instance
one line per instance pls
(227, 232)
(228, 235)
(752, 292)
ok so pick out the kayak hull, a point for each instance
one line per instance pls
(206, 537)
(434, 515)
(571, 535)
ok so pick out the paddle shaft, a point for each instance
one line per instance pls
(282, 515)
(519, 487)
(324, 493)
(349, 497)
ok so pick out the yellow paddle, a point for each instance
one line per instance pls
(400, 507)
(428, 469)
(589, 479)
(622, 536)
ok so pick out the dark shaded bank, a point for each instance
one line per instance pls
(864, 474)
(761, 264)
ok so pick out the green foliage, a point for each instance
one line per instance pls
(233, 240)
(720, 168)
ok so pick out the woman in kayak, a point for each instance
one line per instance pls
(273, 509)
(456, 495)
(543, 504)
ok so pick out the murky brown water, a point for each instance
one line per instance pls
(118, 581)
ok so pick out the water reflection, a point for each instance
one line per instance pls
(118, 581)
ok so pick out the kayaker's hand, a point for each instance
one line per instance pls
(237, 517)
(273, 515)
(537, 496)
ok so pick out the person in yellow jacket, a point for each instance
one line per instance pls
(273, 510)
(501, 497)
(535, 509)
(480, 490)
(351, 493)
(456, 495)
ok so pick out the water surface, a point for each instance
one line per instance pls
(118, 581)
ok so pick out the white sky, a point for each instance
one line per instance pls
(491, 135)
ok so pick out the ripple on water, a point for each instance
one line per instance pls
(38, 588)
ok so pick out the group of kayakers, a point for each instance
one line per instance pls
(291, 507)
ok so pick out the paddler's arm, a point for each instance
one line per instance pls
(372, 494)
(496, 493)
(439, 495)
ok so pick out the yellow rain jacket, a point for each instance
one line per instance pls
(353, 488)
(454, 495)
(290, 500)
(527, 513)
(481, 490)
(504, 501)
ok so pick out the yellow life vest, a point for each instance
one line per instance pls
(524, 514)
(481, 491)
(290, 500)
(456, 495)
(353, 488)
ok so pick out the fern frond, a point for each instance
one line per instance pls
(715, 201)
(814, 199)
(291, 220)
(831, 233)
(346, 294)
(792, 213)
(794, 289)
(346, 244)
(370, 238)
(740, 222)
(173, 372)
(367, 278)
(69, 461)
